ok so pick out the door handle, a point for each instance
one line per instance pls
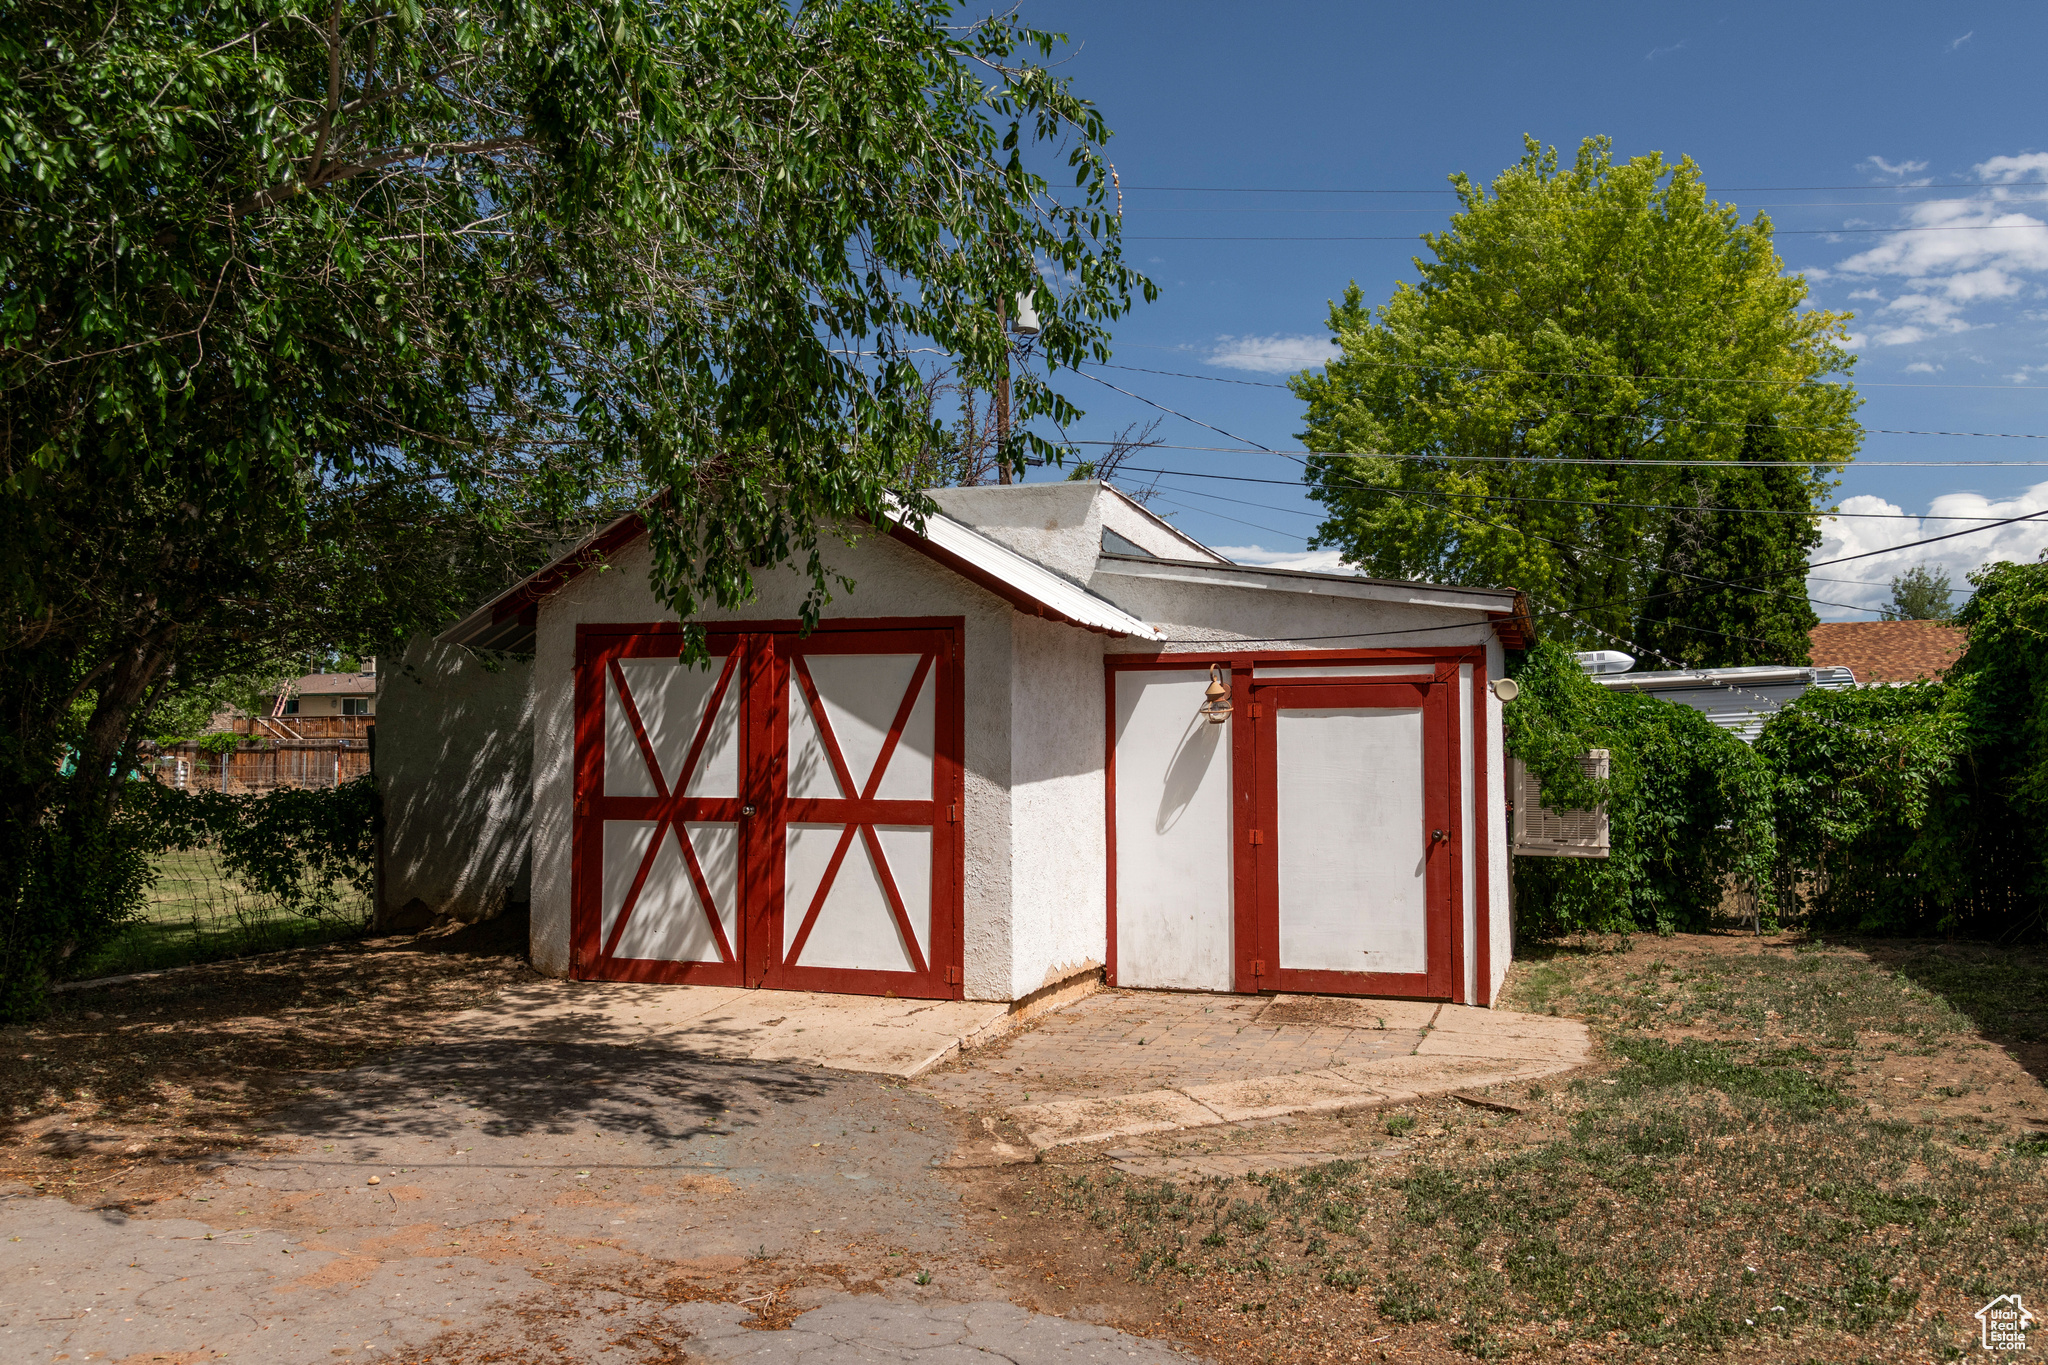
(1436, 836)
(746, 810)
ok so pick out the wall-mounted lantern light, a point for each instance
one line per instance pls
(1507, 689)
(1217, 707)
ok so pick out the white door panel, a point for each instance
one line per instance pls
(1352, 848)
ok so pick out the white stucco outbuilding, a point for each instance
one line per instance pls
(992, 768)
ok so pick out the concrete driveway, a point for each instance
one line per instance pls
(516, 1200)
(660, 1174)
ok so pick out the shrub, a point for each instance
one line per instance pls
(1688, 806)
(87, 872)
(1919, 809)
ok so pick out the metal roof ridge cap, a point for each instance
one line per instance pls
(1126, 623)
(1311, 575)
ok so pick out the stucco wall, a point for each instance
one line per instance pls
(454, 761)
(1057, 855)
(1500, 868)
(890, 579)
(1057, 524)
(1147, 530)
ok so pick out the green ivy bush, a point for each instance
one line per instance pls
(88, 879)
(1856, 776)
(1922, 809)
(1688, 806)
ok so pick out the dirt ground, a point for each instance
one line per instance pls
(1790, 1152)
(113, 1099)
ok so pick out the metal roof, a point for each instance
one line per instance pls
(507, 621)
(1023, 582)
(1303, 580)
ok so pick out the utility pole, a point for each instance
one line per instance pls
(1003, 395)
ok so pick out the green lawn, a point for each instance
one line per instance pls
(198, 913)
(1791, 1152)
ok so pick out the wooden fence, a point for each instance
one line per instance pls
(318, 751)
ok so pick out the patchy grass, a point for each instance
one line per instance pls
(197, 912)
(1792, 1153)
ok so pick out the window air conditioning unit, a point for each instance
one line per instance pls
(1541, 832)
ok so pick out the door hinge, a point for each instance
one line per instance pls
(1258, 836)
(953, 813)
(1258, 966)
(952, 976)
(583, 805)
(1258, 709)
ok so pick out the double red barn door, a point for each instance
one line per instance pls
(788, 817)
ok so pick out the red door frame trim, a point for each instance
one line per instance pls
(1261, 918)
(940, 964)
(1448, 982)
(751, 659)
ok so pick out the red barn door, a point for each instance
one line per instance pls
(787, 818)
(1352, 844)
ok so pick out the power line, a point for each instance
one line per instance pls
(1777, 232)
(1571, 549)
(1573, 502)
(1397, 364)
(1451, 189)
(1576, 208)
(1256, 449)
(1626, 417)
(1165, 409)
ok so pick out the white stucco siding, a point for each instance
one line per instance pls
(1057, 850)
(1148, 531)
(1057, 524)
(453, 766)
(890, 580)
(1499, 866)
(1174, 888)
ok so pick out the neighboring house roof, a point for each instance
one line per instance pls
(327, 684)
(1737, 699)
(507, 621)
(1888, 651)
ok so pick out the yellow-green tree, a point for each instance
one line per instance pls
(1503, 419)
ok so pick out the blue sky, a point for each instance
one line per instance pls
(1818, 112)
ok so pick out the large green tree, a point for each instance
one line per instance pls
(316, 320)
(1501, 419)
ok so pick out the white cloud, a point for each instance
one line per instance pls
(1964, 39)
(1316, 561)
(1867, 582)
(1902, 168)
(1922, 367)
(1273, 354)
(2003, 170)
(1654, 53)
(2025, 373)
(1954, 256)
